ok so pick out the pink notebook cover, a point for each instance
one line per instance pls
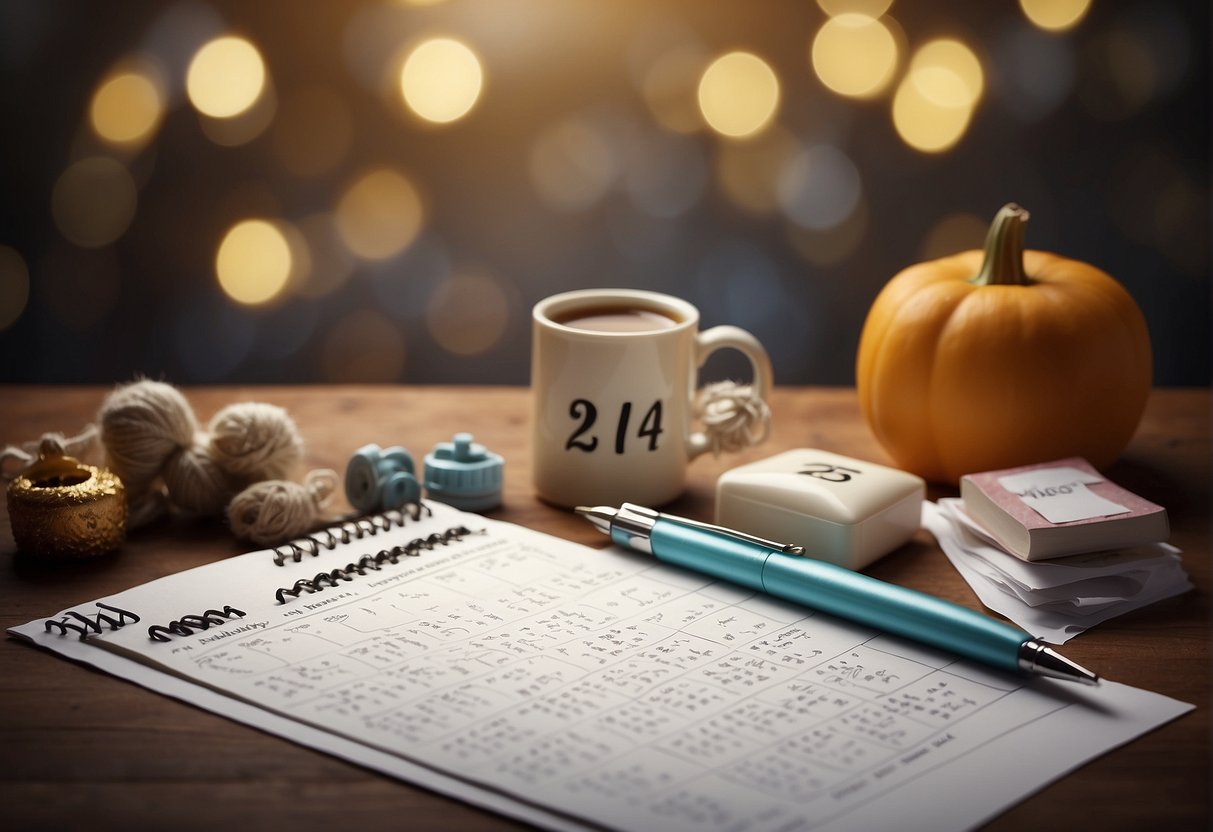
(987, 481)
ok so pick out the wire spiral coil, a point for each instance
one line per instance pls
(371, 563)
(329, 538)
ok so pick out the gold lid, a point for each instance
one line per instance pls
(60, 507)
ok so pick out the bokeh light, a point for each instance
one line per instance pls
(923, 124)
(738, 94)
(373, 50)
(468, 313)
(871, 8)
(947, 73)
(747, 172)
(739, 281)
(819, 187)
(1168, 41)
(242, 128)
(830, 246)
(668, 87)
(403, 287)
(935, 101)
(441, 80)
(302, 264)
(174, 33)
(581, 147)
(14, 286)
(1135, 62)
(380, 214)
(226, 77)
(127, 107)
(94, 201)
(1162, 203)
(953, 234)
(1133, 71)
(254, 262)
(1055, 15)
(854, 55)
(364, 347)
(572, 165)
(331, 263)
(1176, 217)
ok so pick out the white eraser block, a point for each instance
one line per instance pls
(842, 510)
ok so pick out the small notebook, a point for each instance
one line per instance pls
(581, 689)
(1056, 509)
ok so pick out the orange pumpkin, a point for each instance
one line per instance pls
(972, 363)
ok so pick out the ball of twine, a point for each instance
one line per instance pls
(195, 481)
(254, 441)
(151, 436)
(733, 417)
(274, 511)
(142, 425)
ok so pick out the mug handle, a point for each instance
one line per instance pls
(720, 337)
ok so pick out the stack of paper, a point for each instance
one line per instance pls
(1055, 600)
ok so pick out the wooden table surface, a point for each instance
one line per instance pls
(84, 750)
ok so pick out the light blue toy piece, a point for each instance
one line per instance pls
(464, 474)
(377, 480)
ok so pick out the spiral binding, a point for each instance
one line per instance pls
(371, 563)
(86, 625)
(330, 538)
(186, 625)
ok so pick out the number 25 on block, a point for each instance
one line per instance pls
(585, 439)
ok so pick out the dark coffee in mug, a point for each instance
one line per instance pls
(615, 319)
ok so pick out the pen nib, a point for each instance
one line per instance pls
(599, 516)
(1035, 657)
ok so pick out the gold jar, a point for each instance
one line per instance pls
(59, 507)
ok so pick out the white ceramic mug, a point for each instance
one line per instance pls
(613, 379)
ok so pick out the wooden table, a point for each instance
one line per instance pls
(84, 750)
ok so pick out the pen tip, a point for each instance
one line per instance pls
(596, 511)
(599, 516)
(1035, 657)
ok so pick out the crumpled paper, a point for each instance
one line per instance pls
(1058, 599)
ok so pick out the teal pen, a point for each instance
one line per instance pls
(775, 569)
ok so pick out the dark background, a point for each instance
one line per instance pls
(1102, 132)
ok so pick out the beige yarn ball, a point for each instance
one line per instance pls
(274, 511)
(150, 435)
(254, 441)
(142, 424)
(195, 482)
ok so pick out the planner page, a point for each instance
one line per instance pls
(610, 689)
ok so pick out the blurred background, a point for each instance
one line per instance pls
(207, 191)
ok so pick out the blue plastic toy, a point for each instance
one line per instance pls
(377, 480)
(464, 474)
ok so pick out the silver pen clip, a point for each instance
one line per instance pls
(785, 548)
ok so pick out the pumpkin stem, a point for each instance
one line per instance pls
(1003, 262)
